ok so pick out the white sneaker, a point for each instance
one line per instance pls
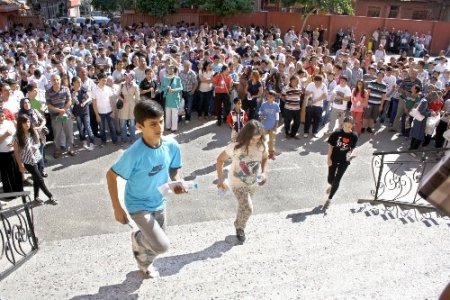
(305, 135)
(142, 259)
(85, 145)
(187, 122)
(91, 147)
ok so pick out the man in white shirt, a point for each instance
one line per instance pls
(102, 98)
(441, 66)
(316, 92)
(391, 83)
(341, 96)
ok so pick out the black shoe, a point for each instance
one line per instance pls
(52, 201)
(369, 130)
(28, 182)
(240, 235)
(288, 136)
(326, 204)
(219, 123)
(38, 200)
(363, 130)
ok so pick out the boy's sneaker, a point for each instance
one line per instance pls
(38, 200)
(369, 130)
(240, 235)
(85, 145)
(305, 135)
(52, 201)
(91, 147)
(142, 259)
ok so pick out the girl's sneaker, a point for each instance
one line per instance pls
(272, 156)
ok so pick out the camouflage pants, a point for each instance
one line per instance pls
(245, 206)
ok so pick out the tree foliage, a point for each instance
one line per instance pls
(227, 7)
(107, 6)
(157, 8)
(311, 6)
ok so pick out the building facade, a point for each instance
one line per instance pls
(52, 9)
(438, 10)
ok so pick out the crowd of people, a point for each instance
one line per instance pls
(93, 77)
(110, 81)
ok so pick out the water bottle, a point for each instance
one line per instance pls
(167, 188)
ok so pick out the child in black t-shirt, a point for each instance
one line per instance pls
(340, 146)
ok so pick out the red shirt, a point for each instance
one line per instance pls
(222, 83)
(436, 106)
(8, 115)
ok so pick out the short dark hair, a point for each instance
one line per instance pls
(31, 87)
(101, 75)
(236, 100)
(147, 109)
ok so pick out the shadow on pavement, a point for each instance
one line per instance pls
(300, 217)
(124, 290)
(171, 265)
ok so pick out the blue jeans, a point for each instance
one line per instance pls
(188, 103)
(326, 112)
(123, 130)
(84, 127)
(206, 99)
(106, 118)
(394, 105)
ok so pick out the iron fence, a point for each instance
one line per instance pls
(18, 241)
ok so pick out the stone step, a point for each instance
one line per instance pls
(288, 255)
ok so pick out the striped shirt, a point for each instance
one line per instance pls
(376, 92)
(57, 99)
(30, 153)
(292, 97)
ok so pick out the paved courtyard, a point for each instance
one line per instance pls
(293, 250)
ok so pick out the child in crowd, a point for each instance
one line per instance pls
(149, 163)
(340, 147)
(269, 113)
(248, 167)
(236, 119)
(359, 102)
(26, 150)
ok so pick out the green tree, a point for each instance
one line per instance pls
(157, 8)
(227, 7)
(310, 7)
(107, 6)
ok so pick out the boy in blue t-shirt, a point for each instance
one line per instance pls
(149, 163)
(269, 114)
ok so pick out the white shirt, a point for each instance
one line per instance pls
(103, 99)
(346, 92)
(316, 92)
(390, 82)
(7, 124)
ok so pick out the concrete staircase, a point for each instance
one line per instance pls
(349, 253)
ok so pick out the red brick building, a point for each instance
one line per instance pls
(438, 10)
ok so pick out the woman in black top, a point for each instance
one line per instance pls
(340, 147)
(148, 86)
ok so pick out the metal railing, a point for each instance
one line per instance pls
(397, 176)
(18, 241)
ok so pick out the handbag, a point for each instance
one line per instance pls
(181, 110)
(416, 114)
(119, 103)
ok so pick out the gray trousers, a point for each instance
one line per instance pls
(336, 114)
(151, 233)
(400, 112)
(60, 127)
